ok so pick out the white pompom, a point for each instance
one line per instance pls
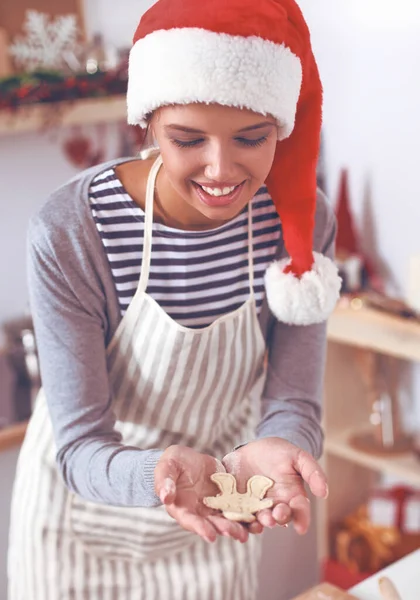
(303, 300)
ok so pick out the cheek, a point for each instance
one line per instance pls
(263, 160)
(179, 165)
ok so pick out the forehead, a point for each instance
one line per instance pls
(209, 117)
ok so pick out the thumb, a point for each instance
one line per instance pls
(167, 472)
(312, 473)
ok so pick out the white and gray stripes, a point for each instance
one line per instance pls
(47, 562)
(195, 276)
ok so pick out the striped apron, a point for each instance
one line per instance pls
(171, 385)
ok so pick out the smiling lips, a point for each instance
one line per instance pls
(218, 196)
(218, 191)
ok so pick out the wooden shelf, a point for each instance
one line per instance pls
(405, 466)
(61, 114)
(12, 435)
(378, 331)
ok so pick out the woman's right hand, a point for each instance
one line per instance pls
(182, 480)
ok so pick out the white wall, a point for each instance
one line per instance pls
(31, 166)
(368, 53)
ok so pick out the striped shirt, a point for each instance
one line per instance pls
(195, 276)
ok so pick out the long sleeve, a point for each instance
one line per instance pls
(292, 400)
(69, 310)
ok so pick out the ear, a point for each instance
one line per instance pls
(225, 482)
(258, 485)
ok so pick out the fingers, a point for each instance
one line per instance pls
(208, 527)
(229, 528)
(301, 513)
(255, 528)
(298, 511)
(194, 523)
(312, 473)
(265, 517)
(281, 514)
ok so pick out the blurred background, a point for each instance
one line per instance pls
(64, 110)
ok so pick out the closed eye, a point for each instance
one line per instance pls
(189, 144)
(252, 143)
(244, 141)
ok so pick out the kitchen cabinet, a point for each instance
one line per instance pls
(352, 472)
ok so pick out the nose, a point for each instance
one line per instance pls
(220, 164)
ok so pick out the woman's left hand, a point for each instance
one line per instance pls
(289, 467)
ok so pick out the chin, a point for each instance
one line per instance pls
(223, 213)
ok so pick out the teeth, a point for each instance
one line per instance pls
(219, 191)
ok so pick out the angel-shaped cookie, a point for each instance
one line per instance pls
(236, 506)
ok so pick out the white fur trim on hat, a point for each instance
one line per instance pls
(189, 65)
(303, 300)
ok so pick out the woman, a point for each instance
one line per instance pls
(164, 358)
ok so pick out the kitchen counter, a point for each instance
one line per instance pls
(405, 574)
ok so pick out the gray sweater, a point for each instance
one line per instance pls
(76, 312)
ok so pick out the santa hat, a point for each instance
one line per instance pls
(254, 55)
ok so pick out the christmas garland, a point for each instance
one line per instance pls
(51, 86)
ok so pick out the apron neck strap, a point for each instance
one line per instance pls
(147, 236)
(148, 221)
(250, 251)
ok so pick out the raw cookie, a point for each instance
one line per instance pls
(236, 506)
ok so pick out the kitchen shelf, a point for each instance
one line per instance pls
(12, 435)
(406, 466)
(347, 407)
(375, 330)
(37, 117)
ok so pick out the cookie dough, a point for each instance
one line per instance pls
(236, 506)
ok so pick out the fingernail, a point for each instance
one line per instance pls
(267, 522)
(285, 525)
(327, 491)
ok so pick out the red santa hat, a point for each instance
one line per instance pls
(254, 55)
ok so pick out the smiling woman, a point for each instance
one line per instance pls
(179, 305)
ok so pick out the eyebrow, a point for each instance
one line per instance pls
(191, 130)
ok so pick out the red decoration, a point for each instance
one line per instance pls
(337, 574)
(80, 151)
(53, 87)
(398, 507)
(346, 242)
(77, 149)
